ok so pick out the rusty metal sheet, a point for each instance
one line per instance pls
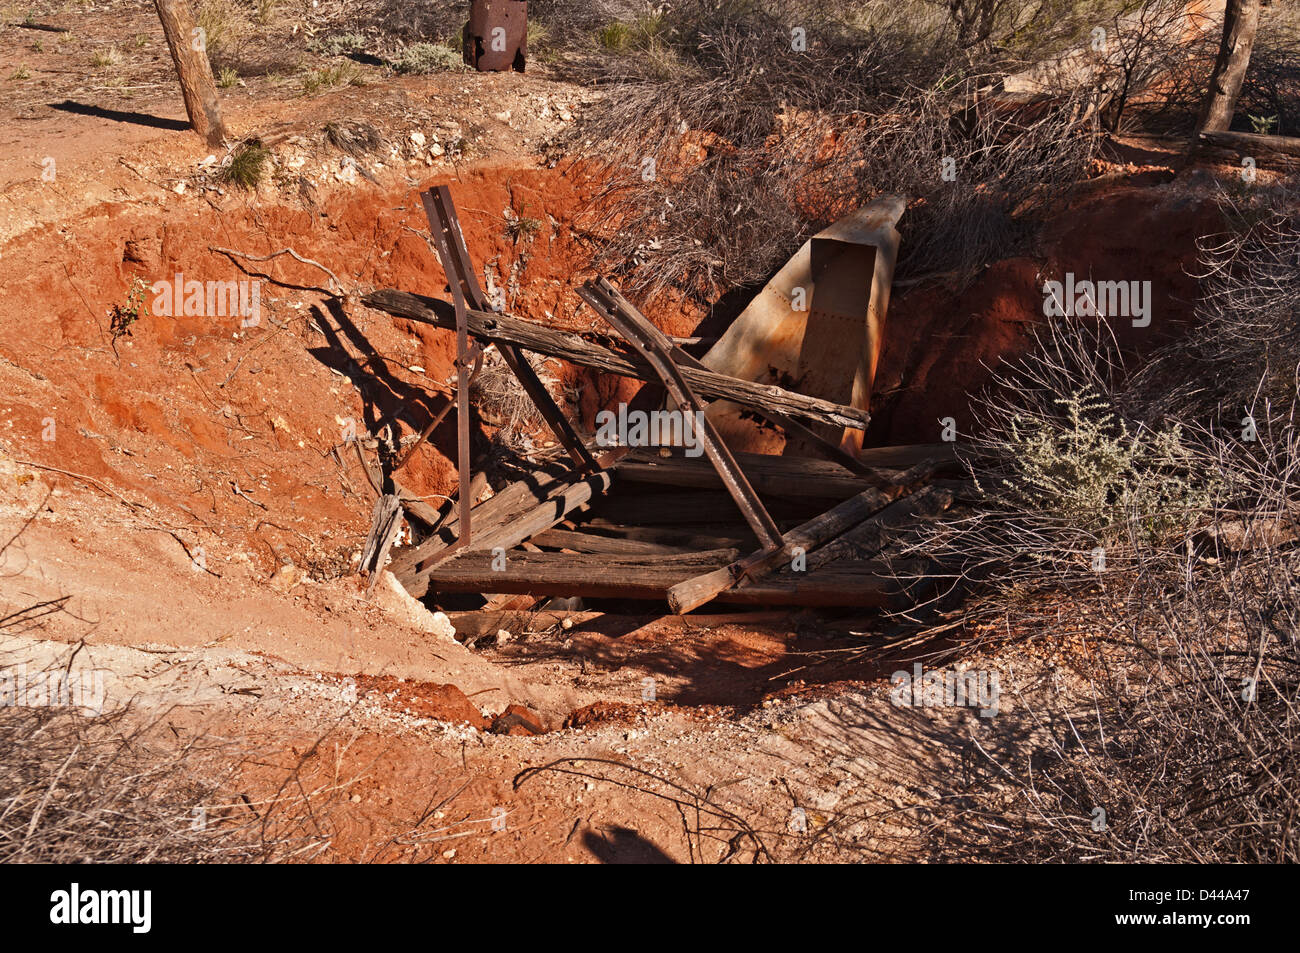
(816, 327)
(496, 36)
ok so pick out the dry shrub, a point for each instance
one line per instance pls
(386, 26)
(503, 402)
(77, 787)
(1243, 354)
(1176, 738)
(721, 145)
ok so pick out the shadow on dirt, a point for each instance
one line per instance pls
(119, 115)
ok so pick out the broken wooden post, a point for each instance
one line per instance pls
(692, 593)
(188, 46)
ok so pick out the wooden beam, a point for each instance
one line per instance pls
(869, 537)
(770, 475)
(503, 328)
(415, 573)
(565, 574)
(856, 584)
(509, 503)
(1250, 143)
(689, 506)
(578, 542)
(734, 535)
(693, 593)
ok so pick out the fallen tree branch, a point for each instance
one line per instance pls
(84, 479)
(292, 254)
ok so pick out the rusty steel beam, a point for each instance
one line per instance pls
(461, 281)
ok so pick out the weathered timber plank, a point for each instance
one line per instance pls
(509, 534)
(504, 328)
(563, 574)
(870, 536)
(863, 584)
(556, 538)
(689, 506)
(692, 593)
(509, 503)
(769, 474)
(734, 535)
(785, 476)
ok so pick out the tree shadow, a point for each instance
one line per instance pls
(622, 845)
(119, 115)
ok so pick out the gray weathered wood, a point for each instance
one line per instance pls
(489, 326)
(692, 593)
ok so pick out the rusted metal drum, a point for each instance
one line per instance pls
(496, 36)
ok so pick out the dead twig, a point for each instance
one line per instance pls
(84, 479)
(292, 254)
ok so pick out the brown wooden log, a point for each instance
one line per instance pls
(543, 516)
(864, 584)
(1250, 143)
(690, 506)
(735, 535)
(869, 537)
(489, 326)
(189, 54)
(798, 477)
(693, 593)
(578, 542)
(506, 534)
(593, 576)
(509, 503)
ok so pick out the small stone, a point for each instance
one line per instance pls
(286, 578)
(417, 139)
(504, 637)
(356, 799)
(441, 626)
(449, 854)
(502, 116)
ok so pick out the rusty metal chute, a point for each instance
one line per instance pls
(816, 327)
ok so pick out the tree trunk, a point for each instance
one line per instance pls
(189, 53)
(1240, 23)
